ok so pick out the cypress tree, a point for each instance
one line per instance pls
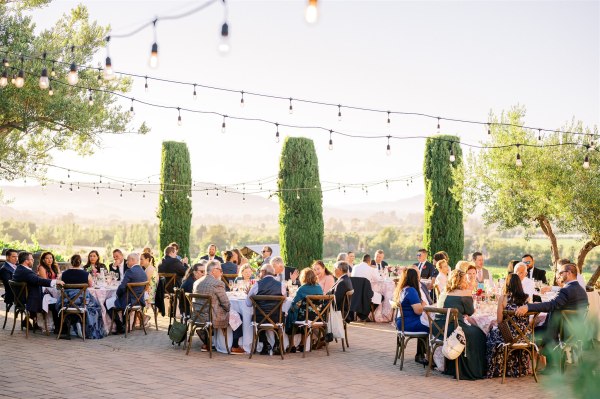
(444, 230)
(300, 203)
(174, 204)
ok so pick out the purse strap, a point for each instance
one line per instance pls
(446, 326)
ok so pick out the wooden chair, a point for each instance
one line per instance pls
(437, 332)
(228, 279)
(136, 307)
(20, 292)
(523, 341)
(403, 336)
(320, 306)
(345, 315)
(7, 305)
(272, 321)
(170, 285)
(201, 318)
(71, 306)
(570, 335)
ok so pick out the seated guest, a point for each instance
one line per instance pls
(580, 278)
(472, 277)
(438, 256)
(365, 270)
(229, 267)
(533, 272)
(342, 286)
(378, 262)
(517, 364)
(93, 264)
(94, 326)
(6, 273)
(48, 268)
(211, 284)
(170, 264)
(24, 274)
(267, 285)
(463, 265)
(570, 297)
(193, 273)
(442, 277)
(212, 251)
(134, 274)
(526, 283)
(511, 266)
(267, 252)
(350, 260)
(324, 276)
(408, 296)
(147, 263)
(183, 260)
(245, 274)
(238, 258)
(118, 266)
(472, 361)
(282, 273)
(297, 312)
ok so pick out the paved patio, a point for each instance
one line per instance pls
(150, 367)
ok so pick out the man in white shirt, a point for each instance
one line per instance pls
(527, 283)
(365, 270)
(277, 263)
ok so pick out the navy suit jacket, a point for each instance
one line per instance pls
(539, 274)
(6, 274)
(34, 287)
(205, 257)
(428, 270)
(134, 274)
(229, 268)
(343, 285)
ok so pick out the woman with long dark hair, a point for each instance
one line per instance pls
(48, 268)
(324, 276)
(93, 264)
(408, 296)
(517, 364)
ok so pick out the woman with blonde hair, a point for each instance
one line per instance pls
(245, 274)
(442, 278)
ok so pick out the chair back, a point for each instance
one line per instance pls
(228, 279)
(346, 304)
(20, 292)
(436, 328)
(320, 306)
(170, 281)
(570, 325)
(184, 303)
(137, 298)
(272, 316)
(73, 297)
(398, 313)
(362, 288)
(199, 313)
(520, 335)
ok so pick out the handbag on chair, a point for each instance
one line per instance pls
(455, 344)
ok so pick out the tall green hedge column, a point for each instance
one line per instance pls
(174, 203)
(444, 229)
(300, 203)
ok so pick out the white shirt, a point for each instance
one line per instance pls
(580, 280)
(528, 287)
(441, 280)
(366, 271)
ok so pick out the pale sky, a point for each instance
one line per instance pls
(454, 59)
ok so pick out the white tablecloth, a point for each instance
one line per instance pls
(384, 312)
(594, 313)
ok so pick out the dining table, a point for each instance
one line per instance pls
(384, 312)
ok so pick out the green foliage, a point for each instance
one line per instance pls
(300, 203)
(175, 205)
(444, 229)
(32, 123)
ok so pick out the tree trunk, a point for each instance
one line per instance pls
(587, 247)
(547, 229)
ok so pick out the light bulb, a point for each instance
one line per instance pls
(195, 95)
(224, 46)
(242, 100)
(388, 150)
(4, 79)
(291, 111)
(91, 99)
(20, 80)
(586, 162)
(53, 72)
(73, 77)
(109, 73)
(153, 62)
(146, 84)
(312, 13)
(223, 125)
(50, 91)
(5, 62)
(330, 144)
(519, 163)
(179, 122)
(44, 81)
(452, 158)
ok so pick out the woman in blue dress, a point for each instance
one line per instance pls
(408, 295)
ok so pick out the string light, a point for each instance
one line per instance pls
(99, 79)
(291, 111)
(388, 150)
(452, 157)
(339, 113)
(388, 119)
(53, 72)
(5, 61)
(179, 122)
(109, 73)
(297, 193)
(20, 80)
(131, 112)
(73, 76)
(311, 15)
(277, 132)
(438, 125)
(91, 99)
(518, 162)
(539, 134)
(195, 96)
(489, 128)
(224, 46)
(50, 91)
(586, 162)
(146, 84)
(242, 100)
(44, 81)
(153, 61)
(330, 141)
(4, 79)
(223, 125)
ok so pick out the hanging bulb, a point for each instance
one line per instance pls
(291, 107)
(5, 62)
(339, 113)
(68, 173)
(20, 80)
(223, 125)
(330, 141)
(242, 100)
(277, 133)
(109, 73)
(586, 162)
(53, 72)
(195, 95)
(388, 150)
(297, 193)
(224, 46)
(489, 129)
(153, 61)
(452, 157)
(388, 119)
(144, 195)
(44, 81)
(91, 99)
(539, 134)
(50, 91)
(179, 122)
(146, 84)
(13, 79)
(73, 77)
(438, 126)
(131, 113)
(387, 186)
(311, 15)
(518, 162)
(4, 79)
(99, 79)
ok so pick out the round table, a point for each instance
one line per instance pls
(384, 311)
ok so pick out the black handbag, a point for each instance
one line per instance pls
(177, 332)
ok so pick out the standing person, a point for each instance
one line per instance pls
(267, 252)
(324, 276)
(118, 266)
(483, 274)
(378, 262)
(533, 272)
(170, 264)
(93, 264)
(426, 268)
(48, 268)
(212, 251)
(350, 260)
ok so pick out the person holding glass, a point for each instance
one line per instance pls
(310, 286)
(93, 264)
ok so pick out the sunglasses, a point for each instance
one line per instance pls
(564, 271)
(528, 262)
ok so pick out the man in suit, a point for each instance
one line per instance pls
(118, 266)
(426, 268)
(183, 260)
(570, 297)
(342, 285)
(134, 274)
(350, 260)
(229, 267)
(283, 273)
(212, 250)
(6, 274)
(483, 274)
(533, 272)
(170, 264)
(267, 252)
(378, 262)
(211, 284)
(24, 274)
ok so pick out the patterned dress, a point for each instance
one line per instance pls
(152, 289)
(517, 364)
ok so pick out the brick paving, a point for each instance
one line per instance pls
(150, 367)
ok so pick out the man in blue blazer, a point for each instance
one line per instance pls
(24, 274)
(134, 274)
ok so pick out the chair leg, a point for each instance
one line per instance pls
(112, 321)
(191, 332)
(397, 349)
(62, 318)
(155, 309)
(280, 335)
(83, 325)
(14, 322)
(6, 315)
(126, 314)
(46, 324)
(326, 343)
(533, 365)
(403, 343)
(430, 351)
(224, 330)
(142, 321)
(504, 364)
(457, 369)
(253, 345)
(26, 325)
(346, 334)
(304, 340)
(210, 342)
